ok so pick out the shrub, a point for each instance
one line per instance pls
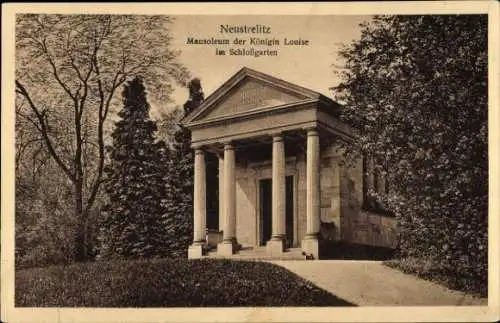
(419, 111)
(429, 269)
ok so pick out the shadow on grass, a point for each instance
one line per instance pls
(168, 283)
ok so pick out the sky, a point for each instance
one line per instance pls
(308, 66)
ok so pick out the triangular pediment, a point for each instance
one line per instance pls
(249, 90)
(251, 94)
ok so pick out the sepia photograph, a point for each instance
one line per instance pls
(242, 160)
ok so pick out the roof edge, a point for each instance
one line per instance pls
(236, 78)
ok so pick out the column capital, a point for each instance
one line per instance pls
(277, 137)
(199, 150)
(312, 131)
(228, 145)
(276, 134)
(196, 147)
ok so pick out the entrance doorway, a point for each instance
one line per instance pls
(266, 206)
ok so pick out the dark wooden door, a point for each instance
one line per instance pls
(265, 210)
(289, 211)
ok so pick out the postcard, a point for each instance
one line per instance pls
(248, 162)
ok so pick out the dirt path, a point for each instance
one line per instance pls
(370, 283)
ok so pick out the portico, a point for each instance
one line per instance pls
(279, 172)
(277, 243)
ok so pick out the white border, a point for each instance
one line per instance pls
(366, 314)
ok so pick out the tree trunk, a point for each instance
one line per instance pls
(80, 244)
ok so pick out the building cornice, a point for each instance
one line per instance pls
(248, 114)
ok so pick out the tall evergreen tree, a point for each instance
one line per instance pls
(179, 221)
(134, 214)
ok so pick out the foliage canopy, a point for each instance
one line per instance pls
(415, 92)
(69, 69)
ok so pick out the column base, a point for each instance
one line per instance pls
(310, 246)
(226, 248)
(196, 251)
(237, 246)
(275, 247)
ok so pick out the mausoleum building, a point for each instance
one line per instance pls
(281, 181)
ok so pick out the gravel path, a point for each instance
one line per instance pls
(370, 283)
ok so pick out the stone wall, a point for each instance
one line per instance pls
(358, 225)
(371, 229)
(301, 199)
(246, 206)
(248, 176)
(342, 217)
(330, 193)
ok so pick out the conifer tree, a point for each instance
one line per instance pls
(179, 202)
(134, 215)
(179, 221)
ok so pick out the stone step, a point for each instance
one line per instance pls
(260, 254)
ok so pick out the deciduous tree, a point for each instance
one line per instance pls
(68, 70)
(415, 90)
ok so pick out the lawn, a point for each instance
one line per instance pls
(428, 270)
(167, 283)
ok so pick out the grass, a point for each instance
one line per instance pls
(167, 283)
(426, 269)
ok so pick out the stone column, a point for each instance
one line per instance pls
(310, 243)
(276, 245)
(199, 205)
(228, 245)
(221, 192)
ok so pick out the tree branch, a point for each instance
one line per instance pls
(44, 131)
(100, 134)
(22, 147)
(55, 73)
(35, 123)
